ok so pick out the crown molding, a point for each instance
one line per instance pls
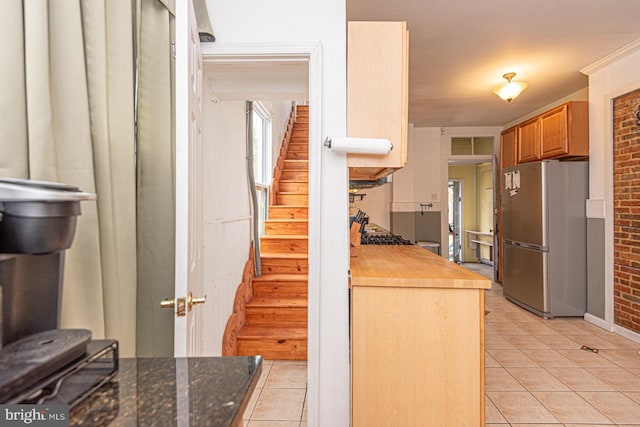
(614, 56)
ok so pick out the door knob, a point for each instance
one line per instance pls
(180, 303)
(167, 303)
(195, 300)
(183, 304)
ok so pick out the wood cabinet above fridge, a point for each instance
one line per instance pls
(560, 133)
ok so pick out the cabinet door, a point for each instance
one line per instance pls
(529, 141)
(417, 356)
(553, 133)
(508, 148)
(377, 91)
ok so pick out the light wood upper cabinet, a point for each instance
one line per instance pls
(377, 94)
(508, 148)
(564, 131)
(529, 141)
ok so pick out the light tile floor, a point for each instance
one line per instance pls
(536, 374)
(280, 397)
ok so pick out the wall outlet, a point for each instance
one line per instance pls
(434, 196)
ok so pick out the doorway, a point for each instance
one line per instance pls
(284, 55)
(455, 220)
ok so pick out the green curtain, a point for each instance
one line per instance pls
(67, 116)
(156, 188)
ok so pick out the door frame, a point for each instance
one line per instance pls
(460, 185)
(312, 54)
(446, 134)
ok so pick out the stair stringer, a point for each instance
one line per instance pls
(238, 317)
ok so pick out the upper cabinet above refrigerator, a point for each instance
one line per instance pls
(560, 133)
(377, 94)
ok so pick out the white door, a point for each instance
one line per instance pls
(455, 221)
(188, 339)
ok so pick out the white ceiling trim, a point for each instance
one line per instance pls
(611, 58)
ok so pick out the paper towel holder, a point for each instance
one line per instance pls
(357, 142)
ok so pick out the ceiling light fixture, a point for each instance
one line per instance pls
(509, 90)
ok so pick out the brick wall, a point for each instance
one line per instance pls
(626, 184)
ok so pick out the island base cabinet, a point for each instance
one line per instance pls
(417, 356)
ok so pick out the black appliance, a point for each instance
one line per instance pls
(37, 224)
(383, 239)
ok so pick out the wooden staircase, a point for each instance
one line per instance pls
(276, 314)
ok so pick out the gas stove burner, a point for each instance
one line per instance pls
(383, 239)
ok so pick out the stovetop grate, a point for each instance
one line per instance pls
(383, 239)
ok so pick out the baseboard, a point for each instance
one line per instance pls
(598, 322)
(627, 333)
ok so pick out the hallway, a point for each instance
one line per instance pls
(536, 374)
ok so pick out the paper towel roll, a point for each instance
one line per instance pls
(359, 145)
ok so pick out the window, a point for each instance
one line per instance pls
(470, 146)
(261, 124)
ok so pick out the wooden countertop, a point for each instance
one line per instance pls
(410, 266)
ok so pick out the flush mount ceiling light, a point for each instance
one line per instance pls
(509, 90)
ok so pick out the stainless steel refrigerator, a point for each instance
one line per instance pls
(544, 236)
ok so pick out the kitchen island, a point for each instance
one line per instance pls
(197, 391)
(417, 339)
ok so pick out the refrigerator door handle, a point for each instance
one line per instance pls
(526, 245)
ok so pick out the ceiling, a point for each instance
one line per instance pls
(459, 50)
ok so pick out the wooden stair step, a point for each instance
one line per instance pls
(295, 165)
(281, 285)
(285, 198)
(277, 311)
(281, 278)
(294, 186)
(297, 155)
(275, 302)
(279, 263)
(286, 226)
(288, 212)
(299, 133)
(285, 244)
(298, 146)
(261, 331)
(283, 343)
(295, 175)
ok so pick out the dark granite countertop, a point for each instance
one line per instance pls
(206, 391)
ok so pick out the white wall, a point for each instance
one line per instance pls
(323, 23)
(609, 78)
(226, 213)
(419, 181)
(427, 169)
(280, 111)
(376, 204)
